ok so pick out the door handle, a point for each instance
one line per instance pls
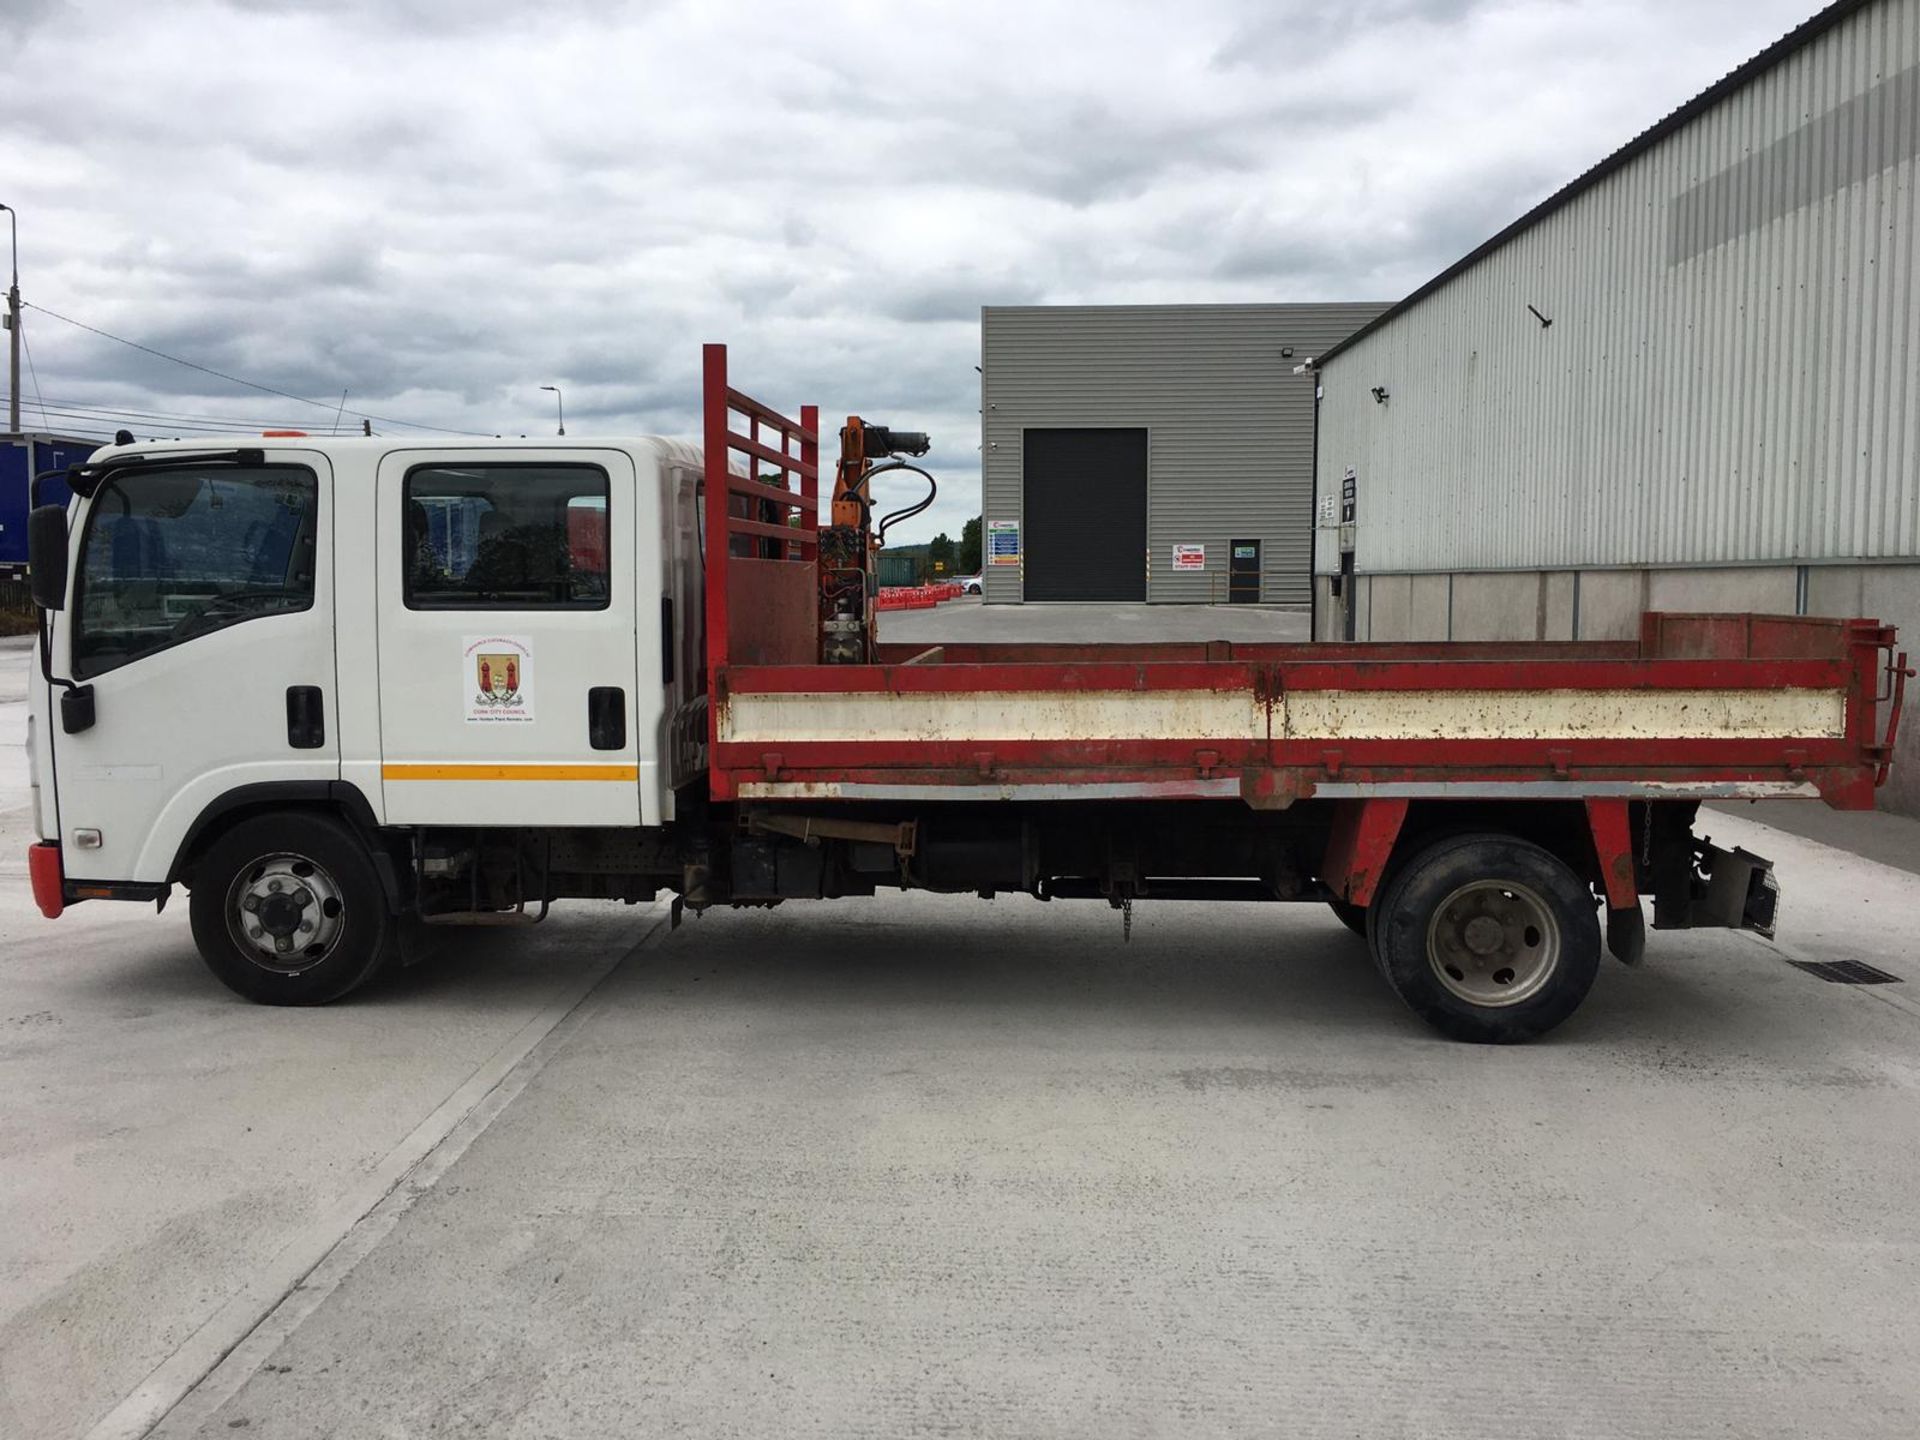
(607, 717)
(306, 717)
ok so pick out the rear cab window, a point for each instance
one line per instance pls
(506, 536)
(177, 552)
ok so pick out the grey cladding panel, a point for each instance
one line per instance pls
(1848, 143)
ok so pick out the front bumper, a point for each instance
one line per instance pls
(48, 875)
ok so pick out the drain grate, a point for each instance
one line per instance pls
(1846, 972)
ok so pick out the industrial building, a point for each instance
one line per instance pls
(1689, 380)
(1151, 452)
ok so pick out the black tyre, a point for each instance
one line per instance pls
(1354, 917)
(1488, 938)
(287, 910)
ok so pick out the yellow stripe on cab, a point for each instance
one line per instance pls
(557, 771)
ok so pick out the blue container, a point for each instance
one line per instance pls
(22, 457)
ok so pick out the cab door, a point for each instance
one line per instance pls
(201, 621)
(507, 637)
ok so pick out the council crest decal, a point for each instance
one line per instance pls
(496, 680)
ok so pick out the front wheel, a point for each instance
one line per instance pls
(288, 910)
(1488, 938)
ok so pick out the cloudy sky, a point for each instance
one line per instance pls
(441, 205)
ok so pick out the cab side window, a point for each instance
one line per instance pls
(506, 537)
(180, 551)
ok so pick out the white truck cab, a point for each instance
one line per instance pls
(420, 634)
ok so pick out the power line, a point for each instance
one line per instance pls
(109, 411)
(69, 412)
(236, 380)
(139, 422)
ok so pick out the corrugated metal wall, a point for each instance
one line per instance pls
(1731, 371)
(1230, 425)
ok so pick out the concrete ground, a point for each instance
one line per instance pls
(930, 1165)
(171, 1159)
(1878, 835)
(968, 619)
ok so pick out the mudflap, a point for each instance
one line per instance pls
(1627, 935)
(416, 942)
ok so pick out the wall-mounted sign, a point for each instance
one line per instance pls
(1348, 490)
(1189, 557)
(1003, 542)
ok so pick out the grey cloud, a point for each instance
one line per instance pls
(1320, 248)
(440, 17)
(19, 18)
(443, 204)
(1301, 34)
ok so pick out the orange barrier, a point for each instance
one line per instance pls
(914, 597)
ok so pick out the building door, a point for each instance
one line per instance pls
(1086, 514)
(1243, 572)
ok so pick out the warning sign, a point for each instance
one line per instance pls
(1189, 557)
(496, 680)
(1003, 542)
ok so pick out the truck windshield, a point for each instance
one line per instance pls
(175, 553)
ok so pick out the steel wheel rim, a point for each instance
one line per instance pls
(1493, 943)
(285, 912)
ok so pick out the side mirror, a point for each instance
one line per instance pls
(47, 555)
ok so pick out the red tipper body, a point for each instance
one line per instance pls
(1694, 707)
(44, 870)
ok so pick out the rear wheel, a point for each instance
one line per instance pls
(288, 910)
(1488, 938)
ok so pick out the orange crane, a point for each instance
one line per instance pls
(848, 542)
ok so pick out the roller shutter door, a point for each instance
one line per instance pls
(1084, 494)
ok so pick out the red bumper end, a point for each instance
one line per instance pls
(43, 867)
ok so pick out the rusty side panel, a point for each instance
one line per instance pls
(771, 617)
(1742, 637)
(1714, 704)
(1214, 651)
(1359, 847)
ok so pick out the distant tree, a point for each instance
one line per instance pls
(970, 547)
(940, 554)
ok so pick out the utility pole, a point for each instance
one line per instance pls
(13, 328)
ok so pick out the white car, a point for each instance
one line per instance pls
(969, 584)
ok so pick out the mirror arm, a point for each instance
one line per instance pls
(46, 654)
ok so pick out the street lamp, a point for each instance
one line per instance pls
(561, 404)
(13, 327)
